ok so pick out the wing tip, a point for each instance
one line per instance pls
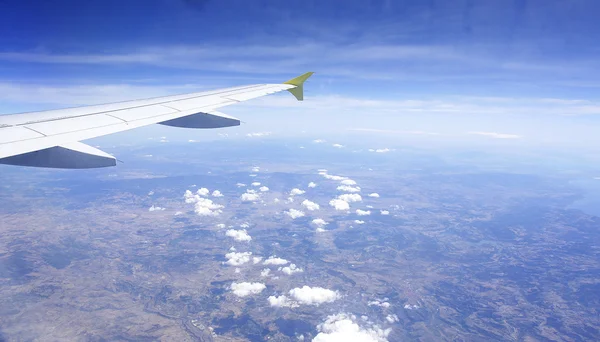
(298, 83)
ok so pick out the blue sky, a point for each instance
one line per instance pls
(525, 69)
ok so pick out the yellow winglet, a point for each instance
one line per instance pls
(298, 91)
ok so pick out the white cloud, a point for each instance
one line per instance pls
(155, 208)
(258, 134)
(348, 182)
(237, 259)
(217, 193)
(305, 295)
(273, 260)
(497, 135)
(238, 235)
(281, 301)
(256, 169)
(319, 222)
(232, 249)
(203, 192)
(246, 289)
(290, 200)
(363, 212)
(343, 327)
(151, 193)
(256, 260)
(192, 140)
(296, 191)
(339, 204)
(375, 195)
(332, 177)
(320, 230)
(319, 141)
(178, 213)
(384, 212)
(293, 213)
(347, 188)
(380, 150)
(255, 184)
(312, 184)
(411, 307)
(392, 318)
(382, 304)
(264, 189)
(249, 196)
(221, 225)
(338, 145)
(350, 198)
(359, 221)
(240, 185)
(313, 295)
(265, 272)
(245, 225)
(206, 207)
(291, 269)
(310, 205)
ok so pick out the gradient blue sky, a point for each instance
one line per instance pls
(520, 70)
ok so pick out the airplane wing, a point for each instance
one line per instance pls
(51, 138)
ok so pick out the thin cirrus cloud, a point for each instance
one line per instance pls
(496, 135)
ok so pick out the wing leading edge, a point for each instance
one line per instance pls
(51, 138)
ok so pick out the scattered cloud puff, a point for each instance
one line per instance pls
(339, 204)
(343, 327)
(309, 205)
(411, 307)
(497, 135)
(320, 230)
(380, 150)
(155, 208)
(238, 235)
(359, 221)
(264, 189)
(338, 145)
(291, 269)
(151, 193)
(347, 188)
(374, 194)
(273, 260)
(232, 249)
(312, 184)
(294, 213)
(247, 289)
(319, 222)
(296, 191)
(203, 206)
(304, 296)
(348, 182)
(331, 177)
(255, 184)
(258, 134)
(192, 140)
(319, 141)
(256, 169)
(382, 304)
(384, 212)
(256, 260)
(237, 259)
(350, 198)
(265, 272)
(392, 318)
(206, 207)
(363, 212)
(313, 295)
(250, 196)
(203, 192)
(178, 213)
(245, 225)
(217, 193)
(240, 185)
(221, 225)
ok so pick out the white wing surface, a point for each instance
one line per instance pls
(51, 138)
